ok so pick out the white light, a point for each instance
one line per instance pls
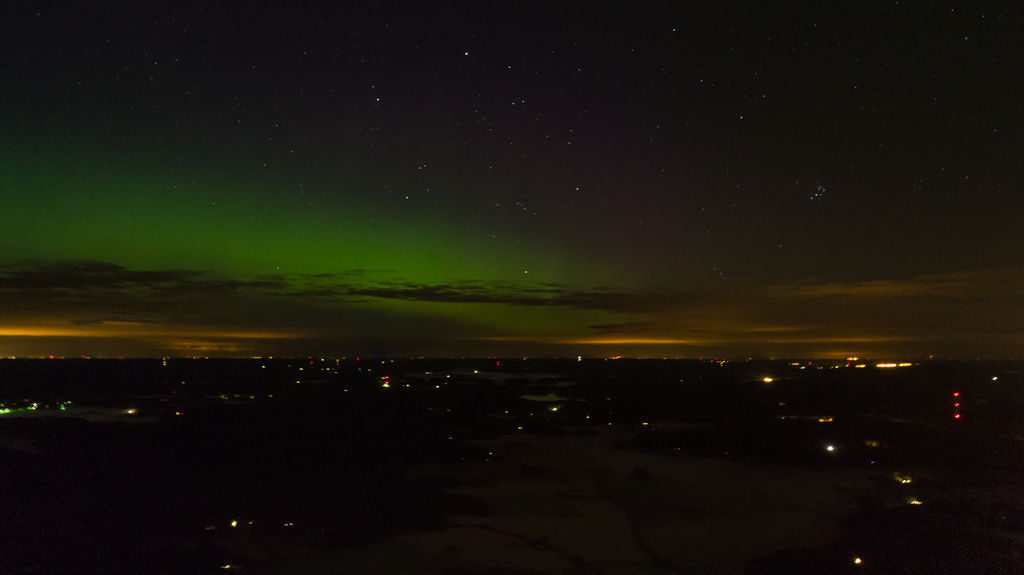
(830, 447)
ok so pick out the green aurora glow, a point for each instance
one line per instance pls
(486, 181)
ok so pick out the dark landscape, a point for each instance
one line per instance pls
(510, 465)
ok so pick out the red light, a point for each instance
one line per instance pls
(957, 404)
(51, 357)
(956, 394)
(957, 416)
(311, 362)
(497, 363)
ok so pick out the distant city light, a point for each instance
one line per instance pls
(830, 448)
(768, 380)
(857, 561)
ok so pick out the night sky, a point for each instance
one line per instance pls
(496, 178)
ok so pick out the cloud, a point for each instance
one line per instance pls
(624, 327)
(119, 321)
(98, 299)
(957, 285)
(96, 280)
(500, 293)
(88, 276)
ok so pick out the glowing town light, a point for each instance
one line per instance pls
(234, 523)
(914, 501)
(768, 380)
(830, 448)
(885, 365)
(857, 561)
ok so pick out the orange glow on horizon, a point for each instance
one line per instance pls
(123, 330)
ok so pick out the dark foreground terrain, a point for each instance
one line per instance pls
(510, 466)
